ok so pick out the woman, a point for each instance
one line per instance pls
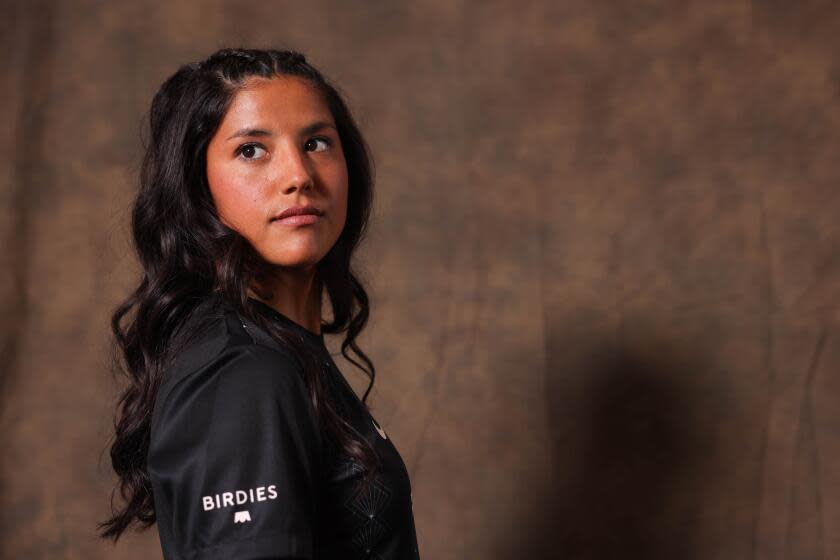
(238, 434)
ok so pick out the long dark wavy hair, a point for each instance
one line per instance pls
(189, 256)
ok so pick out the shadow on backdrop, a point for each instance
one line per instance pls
(627, 450)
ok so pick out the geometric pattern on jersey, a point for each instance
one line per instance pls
(347, 470)
(366, 506)
(368, 535)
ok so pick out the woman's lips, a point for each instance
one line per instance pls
(298, 220)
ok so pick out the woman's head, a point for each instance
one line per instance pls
(277, 149)
(208, 185)
(235, 140)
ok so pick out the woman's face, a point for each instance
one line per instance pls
(277, 147)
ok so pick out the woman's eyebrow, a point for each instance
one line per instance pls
(308, 129)
(249, 132)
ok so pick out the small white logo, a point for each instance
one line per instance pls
(378, 429)
(241, 516)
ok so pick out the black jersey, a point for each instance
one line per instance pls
(240, 469)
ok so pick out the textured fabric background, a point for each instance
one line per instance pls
(604, 263)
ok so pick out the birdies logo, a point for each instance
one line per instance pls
(239, 497)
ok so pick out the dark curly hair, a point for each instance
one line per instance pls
(189, 256)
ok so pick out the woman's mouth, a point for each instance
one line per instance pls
(298, 219)
(299, 215)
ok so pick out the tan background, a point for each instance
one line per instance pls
(604, 263)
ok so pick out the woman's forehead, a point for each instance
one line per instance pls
(282, 99)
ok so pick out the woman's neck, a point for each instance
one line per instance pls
(295, 293)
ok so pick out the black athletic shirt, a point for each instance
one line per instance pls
(240, 469)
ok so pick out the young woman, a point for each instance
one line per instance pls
(237, 433)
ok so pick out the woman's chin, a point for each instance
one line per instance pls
(301, 261)
(302, 252)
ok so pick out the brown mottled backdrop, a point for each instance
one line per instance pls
(604, 263)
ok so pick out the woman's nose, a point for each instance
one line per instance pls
(295, 171)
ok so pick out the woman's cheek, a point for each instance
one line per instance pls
(242, 204)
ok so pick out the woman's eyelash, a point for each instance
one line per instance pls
(241, 148)
(326, 140)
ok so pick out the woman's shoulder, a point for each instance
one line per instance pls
(220, 352)
(213, 330)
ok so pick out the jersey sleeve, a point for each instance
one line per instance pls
(234, 459)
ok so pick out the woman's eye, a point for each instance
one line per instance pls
(251, 151)
(312, 142)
